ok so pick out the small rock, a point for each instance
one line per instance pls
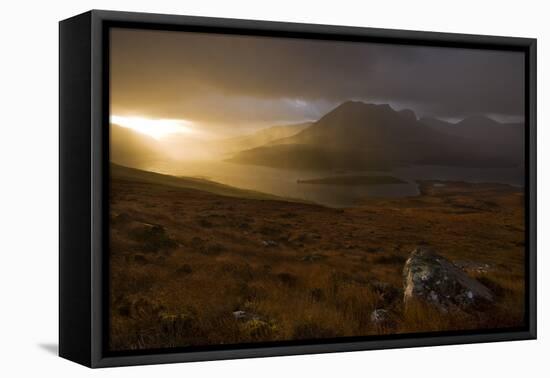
(379, 316)
(269, 243)
(244, 315)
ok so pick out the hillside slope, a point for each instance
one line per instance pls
(130, 148)
(119, 172)
(262, 137)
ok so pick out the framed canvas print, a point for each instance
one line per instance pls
(234, 188)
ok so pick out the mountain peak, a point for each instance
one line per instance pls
(361, 135)
(362, 112)
(362, 105)
(358, 109)
(408, 114)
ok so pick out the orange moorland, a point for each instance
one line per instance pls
(193, 266)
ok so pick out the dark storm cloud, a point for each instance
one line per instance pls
(238, 79)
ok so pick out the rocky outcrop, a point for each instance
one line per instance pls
(431, 278)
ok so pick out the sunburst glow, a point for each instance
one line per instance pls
(156, 128)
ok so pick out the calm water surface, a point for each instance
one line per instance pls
(284, 182)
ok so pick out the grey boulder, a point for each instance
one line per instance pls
(431, 278)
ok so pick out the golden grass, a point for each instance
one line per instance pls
(322, 275)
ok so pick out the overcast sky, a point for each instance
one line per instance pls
(243, 82)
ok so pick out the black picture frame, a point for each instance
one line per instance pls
(84, 172)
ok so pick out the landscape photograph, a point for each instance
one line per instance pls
(267, 190)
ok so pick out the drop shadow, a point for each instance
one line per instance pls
(51, 348)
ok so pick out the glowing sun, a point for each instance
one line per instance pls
(155, 128)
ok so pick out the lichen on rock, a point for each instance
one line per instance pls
(431, 278)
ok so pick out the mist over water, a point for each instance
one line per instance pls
(283, 182)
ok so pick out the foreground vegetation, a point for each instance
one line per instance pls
(191, 267)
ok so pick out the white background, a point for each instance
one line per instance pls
(29, 189)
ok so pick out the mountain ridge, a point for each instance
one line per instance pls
(372, 135)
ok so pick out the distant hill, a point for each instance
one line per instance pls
(119, 172)
(307, 156)
(481, 130)
(134, 149)
(356, 135)
(261, 137)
